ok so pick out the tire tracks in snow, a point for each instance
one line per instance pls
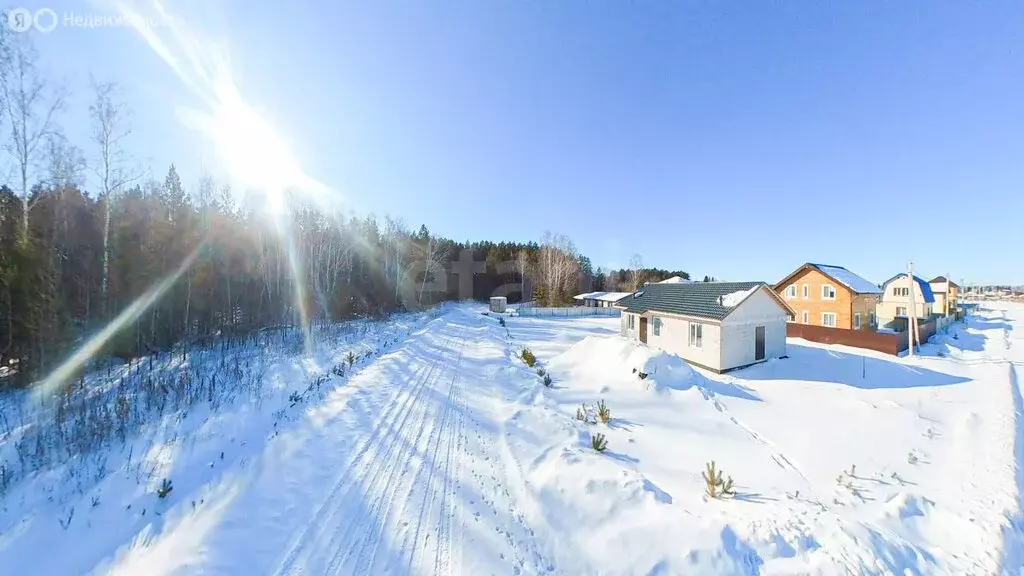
(441, 433)
(397, 459)
(365, 461)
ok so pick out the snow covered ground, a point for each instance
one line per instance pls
(441, 452)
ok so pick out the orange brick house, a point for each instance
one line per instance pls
(830, 296)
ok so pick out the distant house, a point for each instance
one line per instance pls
(675, 280)
(830, 296)
(715, 325)
(947, 294)
(895, 301)
(599, 299)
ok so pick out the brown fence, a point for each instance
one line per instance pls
(887, 343)
(881, 342)
(884, 342)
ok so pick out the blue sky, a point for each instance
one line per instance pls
(732, 139)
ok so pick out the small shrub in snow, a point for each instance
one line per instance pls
(294, 398)
(501, 321)
(911, 458)
(599, 442)
(165, 488)
(642, 375)
(528, 358)
(547, 380)
(603, 412)
(713, 483)
(581, 413)
(584, 414)
(339, 370)
(541, 372)
(351, 357)
(65, 524)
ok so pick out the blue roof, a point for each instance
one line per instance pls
(926, 288)
(849, 279)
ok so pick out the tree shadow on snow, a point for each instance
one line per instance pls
(814, 364)
(620, 457)
(753, 497)
(623, 424)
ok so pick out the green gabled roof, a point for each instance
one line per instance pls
(698, 299)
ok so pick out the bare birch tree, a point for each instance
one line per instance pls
(557, 268)
(110, 126)
(433, 263)
(636, 272)
(31, 105)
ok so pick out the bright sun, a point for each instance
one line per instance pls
(254, 155)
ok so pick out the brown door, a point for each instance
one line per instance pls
(759, 343)
(643, 329)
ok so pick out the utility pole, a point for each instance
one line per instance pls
(948, 293)
(911, 310)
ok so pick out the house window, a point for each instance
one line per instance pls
(657, 326)
(856, 320)
(871, 318)
(806, 317)
(901, 310)
(828, 292)
(828, 319)
(807, 291)
(901, 291)
(632, 322)
(791, 291)
(697, 335)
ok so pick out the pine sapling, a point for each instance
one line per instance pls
(598, 442)
(603, 412)
(528, 358)
(547, 380)
(714, 485)
(165, 488)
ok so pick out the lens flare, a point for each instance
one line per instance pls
(254, 155)
(93, 345)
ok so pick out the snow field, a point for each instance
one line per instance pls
(445, 454)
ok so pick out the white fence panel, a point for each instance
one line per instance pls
(570, 312)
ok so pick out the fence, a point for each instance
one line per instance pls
(881, 342)
(887, 343)
(570, 312)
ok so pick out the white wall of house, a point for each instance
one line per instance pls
(739, 329)
(940, 300)
(674, 338)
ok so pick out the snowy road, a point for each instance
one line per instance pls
(398, 473)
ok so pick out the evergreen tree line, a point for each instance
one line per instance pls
(229, 272)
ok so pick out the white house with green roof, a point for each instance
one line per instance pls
(719, 326)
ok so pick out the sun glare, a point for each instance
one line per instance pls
(252, 152)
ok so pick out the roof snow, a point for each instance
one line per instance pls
(602, 296)
(733, 299)
(849, 279)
